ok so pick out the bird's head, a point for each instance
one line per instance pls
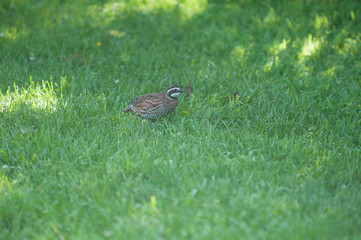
(174, 91)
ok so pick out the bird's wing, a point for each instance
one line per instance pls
(138, 100)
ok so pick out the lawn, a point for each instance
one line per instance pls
(264, 144)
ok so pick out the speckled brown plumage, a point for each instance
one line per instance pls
(154, 105)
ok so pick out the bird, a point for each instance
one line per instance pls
(154, 105)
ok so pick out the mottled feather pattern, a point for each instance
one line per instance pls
(154, 105)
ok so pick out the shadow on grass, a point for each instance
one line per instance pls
(149, 43)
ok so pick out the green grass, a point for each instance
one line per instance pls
(282, 160)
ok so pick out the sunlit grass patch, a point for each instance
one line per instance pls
(309, 47)
(116, 33)
(271, 17)
(34, 98)
(114, 9)
(321, 22)
(273, 62)
(4, 181)
(239, 54)
(350, 46)
(11, 33)
(278, 47)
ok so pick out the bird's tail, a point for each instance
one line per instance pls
(127, 109)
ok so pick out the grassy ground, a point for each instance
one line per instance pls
(280, 160)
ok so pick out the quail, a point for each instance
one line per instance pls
(154, 105)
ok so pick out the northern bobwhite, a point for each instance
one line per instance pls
(154, 105)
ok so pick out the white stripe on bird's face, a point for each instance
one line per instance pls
(176, 94)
